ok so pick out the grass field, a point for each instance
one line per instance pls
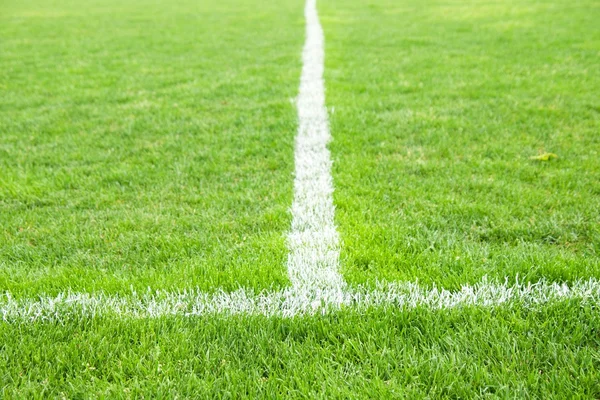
(438, 107)
(146, 145)
(150, 146)
(508, 353)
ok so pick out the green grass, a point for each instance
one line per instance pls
(508, 352)
(146, 145)
(150, 144)
(438, 107)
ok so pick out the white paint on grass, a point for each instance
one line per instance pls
(288, 303)
(314, 241)
(317, 286)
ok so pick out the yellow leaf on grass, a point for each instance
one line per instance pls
(544, 157)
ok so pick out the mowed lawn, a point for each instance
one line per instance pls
(146, 144)
(437, 107)
(509, 352)
(150, 144)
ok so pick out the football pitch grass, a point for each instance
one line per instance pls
(147, 154)
(438, 108)
(147, 145)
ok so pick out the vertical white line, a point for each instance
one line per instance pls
(313, 241)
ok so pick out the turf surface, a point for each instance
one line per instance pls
(438, 107)
(146, 145)
(507, 352)
(150, 144)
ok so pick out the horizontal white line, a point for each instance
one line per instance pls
(289, 302)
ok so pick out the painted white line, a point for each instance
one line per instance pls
(313, 242)
(317, 286)
(287, 303)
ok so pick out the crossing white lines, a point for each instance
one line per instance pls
(314, 248)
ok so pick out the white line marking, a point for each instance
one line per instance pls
(317, 286)
(313, 242)
(287, 303)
